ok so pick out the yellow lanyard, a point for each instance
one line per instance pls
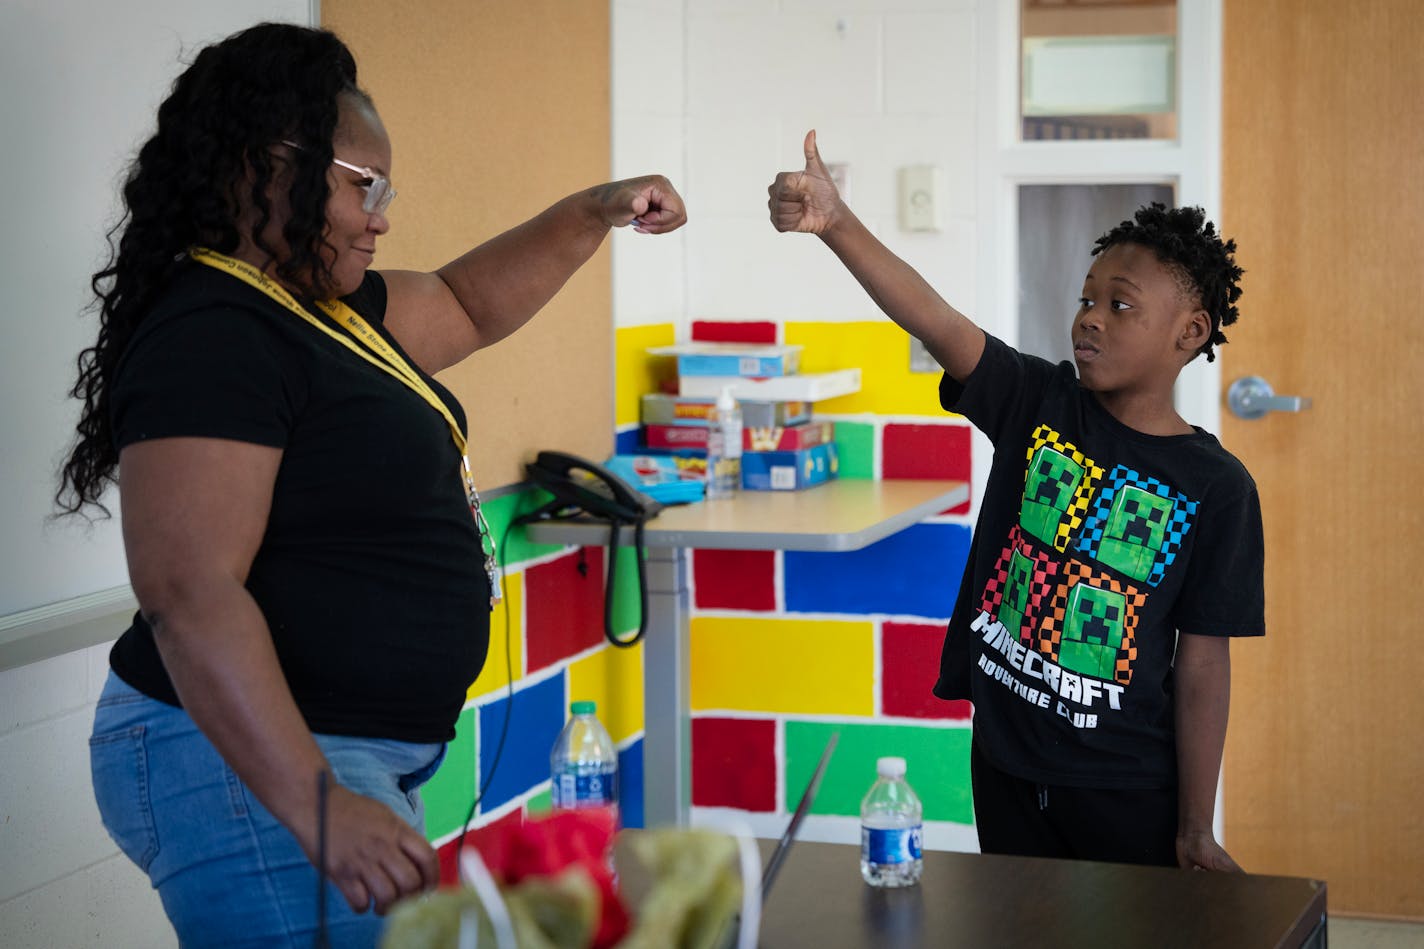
(378, 353)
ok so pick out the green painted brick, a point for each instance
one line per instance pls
(855, 447)
(517, 546)
(937, 766)
(448, 794)
(541, 803)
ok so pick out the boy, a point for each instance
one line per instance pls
(1117, 546)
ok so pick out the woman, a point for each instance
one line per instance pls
(312, 587)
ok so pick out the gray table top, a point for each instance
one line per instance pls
(845, 514)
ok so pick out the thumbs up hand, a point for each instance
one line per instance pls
(805, 201)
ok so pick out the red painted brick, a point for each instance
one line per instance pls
(909, 664)
(728, 331)
(734, 763)
(927, 451)
(735, 579)
(448, 854)
(563, 607)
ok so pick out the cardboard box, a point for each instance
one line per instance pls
(676, 436)
(754, 438)
(789, 470)
(805, 387)
(732, 359)
(788, 438)
(660, 409)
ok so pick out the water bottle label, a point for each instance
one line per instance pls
(594, 789)
(896, 845)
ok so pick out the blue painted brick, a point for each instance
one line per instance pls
(913, 573)
(630, 784)
(539, 715)
(629, 441)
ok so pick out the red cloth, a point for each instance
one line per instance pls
(544, 846)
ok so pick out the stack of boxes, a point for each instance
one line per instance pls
(783, 448)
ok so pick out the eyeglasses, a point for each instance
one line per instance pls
(379, 192)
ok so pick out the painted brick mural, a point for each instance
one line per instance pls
(547, 649)
(787, 647)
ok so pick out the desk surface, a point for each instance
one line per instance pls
(966, 899)
(845, 514)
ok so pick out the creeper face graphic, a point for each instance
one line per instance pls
(1135, 531)
(1092, 631)
(1053, 477)
(1016, 590)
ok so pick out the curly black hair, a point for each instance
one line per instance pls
(1184, 240)
(214, 138)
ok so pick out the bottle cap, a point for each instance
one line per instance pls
(890, 767)
(583, 708)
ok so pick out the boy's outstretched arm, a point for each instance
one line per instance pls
(1203, 676)
(807, 201)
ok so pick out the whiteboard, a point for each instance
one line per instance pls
(80, 82)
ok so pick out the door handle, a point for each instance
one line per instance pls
(1251, 397)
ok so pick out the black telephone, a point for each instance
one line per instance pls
(582, 488)
(587, 488)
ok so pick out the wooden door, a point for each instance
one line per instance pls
(1323, 188)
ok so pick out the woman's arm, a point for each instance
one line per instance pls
(194, 513)
(807, 201)
(486, 294)
(1203, 697)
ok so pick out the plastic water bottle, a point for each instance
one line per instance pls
(584, 763)
(891, 829)
(724, 447)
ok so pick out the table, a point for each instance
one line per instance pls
(836, 516)
(980, 900)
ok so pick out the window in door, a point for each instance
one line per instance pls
(1058, 224)
(1098, 69)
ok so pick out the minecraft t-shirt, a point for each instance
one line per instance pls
(1095, 545)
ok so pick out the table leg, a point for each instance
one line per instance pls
(667, 729)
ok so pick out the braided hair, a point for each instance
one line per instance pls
(1187, 243)
(208, 160)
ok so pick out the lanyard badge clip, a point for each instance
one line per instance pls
(487, 546)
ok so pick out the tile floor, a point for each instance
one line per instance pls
(1346, 933)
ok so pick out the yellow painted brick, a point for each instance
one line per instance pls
(613, 678)
(882, 351)
(636, 372)
(495, 673)
(811, 667)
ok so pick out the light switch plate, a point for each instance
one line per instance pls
(921, 194)
(920, 358)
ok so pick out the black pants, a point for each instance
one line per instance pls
(1019, 817)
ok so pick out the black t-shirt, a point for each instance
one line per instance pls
(1095, 545)
(370, 573)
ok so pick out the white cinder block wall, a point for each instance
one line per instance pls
(63, 883)
(646, 49)
(726, 89)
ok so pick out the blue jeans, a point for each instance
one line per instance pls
(228, 873)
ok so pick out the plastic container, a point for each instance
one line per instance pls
(583, 766)
(724, 447)
(891, 829)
